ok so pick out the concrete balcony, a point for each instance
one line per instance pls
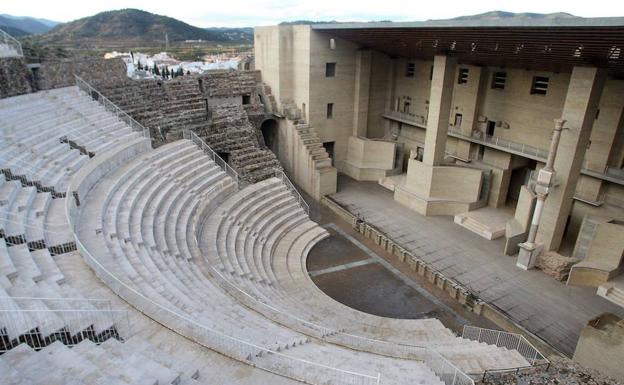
(610, 174)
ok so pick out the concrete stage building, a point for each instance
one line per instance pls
(456, 118)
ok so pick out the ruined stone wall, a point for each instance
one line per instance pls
(15, 77)
(230, 126)
(60, 73)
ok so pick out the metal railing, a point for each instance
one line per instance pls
(190, 135)
(35, 320)
(502, 143)
(418, 120)
(445, 370)
(112, 107)
(233, 347)
(14, 47)
(507, 340)
(282, 176)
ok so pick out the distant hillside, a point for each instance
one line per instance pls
(500, 15)
(133, 27)
(24, 25)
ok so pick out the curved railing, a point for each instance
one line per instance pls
(112, 107)
(233, 347)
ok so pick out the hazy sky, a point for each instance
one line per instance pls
(237, 13)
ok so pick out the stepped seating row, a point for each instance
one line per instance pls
(38, 285)
(259, 243)
(41, 138)
(139, 223)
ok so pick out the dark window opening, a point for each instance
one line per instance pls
(458, 120)
(498, 80)
(330, 70)
(330, 110)
(246, 99)
(491, 125)
(462, 78)
(410, 70)
(329, 148)
(406, 107)
(539, 85)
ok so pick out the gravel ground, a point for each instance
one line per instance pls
(561, 372)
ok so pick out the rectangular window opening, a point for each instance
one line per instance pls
(330, 110)
(410, 70)
(498, 80)
(330, 70)
(462, 78)
(539, 85)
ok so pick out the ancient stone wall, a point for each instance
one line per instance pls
(60, 73)
(230, 127)
(15, 77)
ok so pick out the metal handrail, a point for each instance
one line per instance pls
(230, 346)
(110, 106)
(284, 178)
(11, 42)
(190, 135)
(507, 340)
(446, 370)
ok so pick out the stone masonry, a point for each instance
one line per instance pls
(223, 108)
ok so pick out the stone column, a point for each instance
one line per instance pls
(579, 111)
(440, 100)
(361, 94)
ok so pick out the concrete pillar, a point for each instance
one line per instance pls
(440, 100)
(362, 88)
(579, 112)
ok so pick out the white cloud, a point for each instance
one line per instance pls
(263, 12)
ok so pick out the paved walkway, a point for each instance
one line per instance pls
(553, 311)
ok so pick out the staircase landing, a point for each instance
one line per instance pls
(487, 222)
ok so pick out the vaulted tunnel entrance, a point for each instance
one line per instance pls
(269, 130)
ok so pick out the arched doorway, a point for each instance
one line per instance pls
(269, 130)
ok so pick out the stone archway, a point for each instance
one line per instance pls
(270, 129)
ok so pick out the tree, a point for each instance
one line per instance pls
(180, 72)
(156, 70)
(188, 72)
(139, 65)
(166, 72)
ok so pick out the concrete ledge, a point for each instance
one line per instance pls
(429, 207)
(363, 174)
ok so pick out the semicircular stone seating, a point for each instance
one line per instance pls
(257, 242)
(49, 297)
(139, 222)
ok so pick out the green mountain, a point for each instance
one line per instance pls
(133, 27)
(24, 25)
